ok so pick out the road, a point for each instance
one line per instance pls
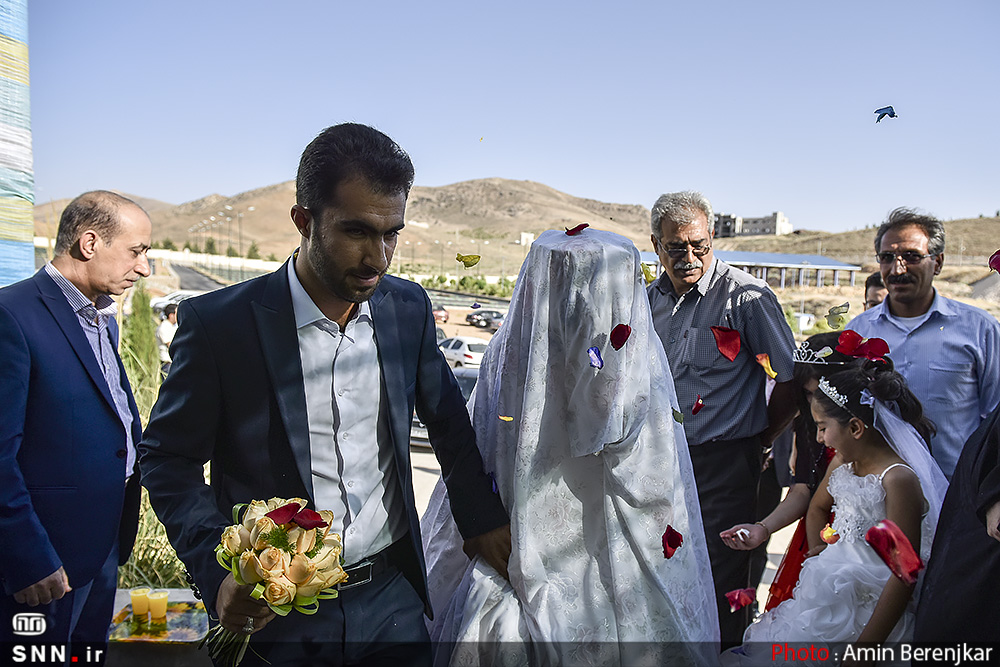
(191, 279)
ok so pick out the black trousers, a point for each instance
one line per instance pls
(727, 473)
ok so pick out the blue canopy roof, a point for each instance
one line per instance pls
(770, 259)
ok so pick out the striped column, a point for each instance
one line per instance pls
(17, 182)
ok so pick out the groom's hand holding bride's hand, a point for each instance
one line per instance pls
(493, 546)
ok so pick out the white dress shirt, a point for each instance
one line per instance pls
(352, 474)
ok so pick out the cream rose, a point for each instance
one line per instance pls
(255, 511)
(250, 569)
(260, 530)
(279, 590)
(300, 569)
(273, 561)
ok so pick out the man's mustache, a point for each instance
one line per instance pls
(901, 279)
(684, 266)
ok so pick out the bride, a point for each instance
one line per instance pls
(579, 428)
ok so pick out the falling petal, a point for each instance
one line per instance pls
(494, 480)
(506, 418)
(765, 361)
(824, 352)
(672, 540)
(740, 598)
(648, 274)
(619, 335)
(728, 341)
(829, 535)
(835, 318)
(469, 260)
(475, 305)
(595, 358)
(995, 261)
(576, 230)
(698, 405)
(678, 416)
(894, 548)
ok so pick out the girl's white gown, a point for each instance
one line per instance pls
(838, 589)
(592, 467)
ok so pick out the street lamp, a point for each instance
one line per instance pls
(239, 226)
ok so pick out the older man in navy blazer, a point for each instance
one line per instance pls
(303, 383)
(69, 492)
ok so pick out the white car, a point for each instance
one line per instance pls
(463, 351)
(159, 303)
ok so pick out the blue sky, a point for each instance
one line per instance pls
(762, 106)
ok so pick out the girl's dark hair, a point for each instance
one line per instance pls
(810, 463)
(884, 384)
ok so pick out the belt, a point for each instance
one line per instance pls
(366, 569)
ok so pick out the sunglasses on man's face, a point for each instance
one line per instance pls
(909, 257)
(678, 251)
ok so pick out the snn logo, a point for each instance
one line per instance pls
(29, 624)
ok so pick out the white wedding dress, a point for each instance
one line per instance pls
(592, 467)
(838, 588)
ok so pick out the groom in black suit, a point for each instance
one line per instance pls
(303, 383)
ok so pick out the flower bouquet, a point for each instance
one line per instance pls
(290, 554)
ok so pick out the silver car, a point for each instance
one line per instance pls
(466, 382)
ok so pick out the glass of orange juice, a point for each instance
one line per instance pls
(158, 604)
(140, 601)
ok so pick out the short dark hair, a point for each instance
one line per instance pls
(96, 210)
(874, 280)
(349, 150)
(170, 309)
(905, 217)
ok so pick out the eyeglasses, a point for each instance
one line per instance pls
(675, 252)
(908, 256)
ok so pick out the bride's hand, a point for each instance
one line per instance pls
(993, 521)
(744, 536)
(815, 550)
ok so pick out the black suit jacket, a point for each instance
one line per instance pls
(62, 444)
(235, 397)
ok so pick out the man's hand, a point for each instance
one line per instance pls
(52, 587)
(235, 606)
(493, 546)
(992, 521)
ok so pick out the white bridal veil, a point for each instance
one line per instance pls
(592, 466)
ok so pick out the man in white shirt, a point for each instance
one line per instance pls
(164, 334)
(303, 383)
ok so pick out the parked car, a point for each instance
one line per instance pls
(440, 313)
(466, 382)
(440, 334)
(463, 350)
(159, 303)
(495, 323)
(482, 318)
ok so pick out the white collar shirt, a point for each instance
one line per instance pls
(352, 474)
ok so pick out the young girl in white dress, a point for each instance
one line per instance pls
(882, 470)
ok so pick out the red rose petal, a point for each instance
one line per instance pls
(698, 405)
(995, 261)
(740, 598)
(893, 547)
(619, 335)
(283, 514)
(852, 344)
(672, 540)
(576, 230)
(307, 519)
(848, 342)
(728, 341)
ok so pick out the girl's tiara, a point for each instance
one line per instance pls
(804, 354)
(833, 394)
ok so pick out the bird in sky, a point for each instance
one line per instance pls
(885, 111)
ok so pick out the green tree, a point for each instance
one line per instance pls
(210, 246)
(193, 247)
(231, 252)
(253, 252)
(272, 257)
(168, 244)
(153, 561)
